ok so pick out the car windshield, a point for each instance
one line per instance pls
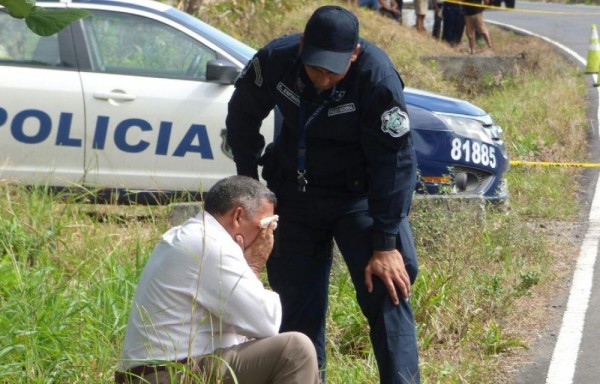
(235, 47)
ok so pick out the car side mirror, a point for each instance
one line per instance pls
(221, 71)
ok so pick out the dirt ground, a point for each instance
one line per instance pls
(539, 315)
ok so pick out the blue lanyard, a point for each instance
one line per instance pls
(303, 127)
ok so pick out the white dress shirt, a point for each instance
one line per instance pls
(197, 293)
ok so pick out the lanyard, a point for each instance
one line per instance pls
(303, 125)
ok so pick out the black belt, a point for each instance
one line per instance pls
(126, 377)
(337, 180)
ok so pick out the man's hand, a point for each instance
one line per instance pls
(258, 252)
(389, 267)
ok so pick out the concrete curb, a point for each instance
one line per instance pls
(180, 212)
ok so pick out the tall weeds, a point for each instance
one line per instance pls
(67, 283)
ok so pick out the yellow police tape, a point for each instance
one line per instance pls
(521, 9)
(555, 164)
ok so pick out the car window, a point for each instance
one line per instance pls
(239, 50)
(20, 46)
(134, 45)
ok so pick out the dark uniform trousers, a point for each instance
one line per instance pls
(300, 266)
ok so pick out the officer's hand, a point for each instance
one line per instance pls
(389, 267)
(258, 252)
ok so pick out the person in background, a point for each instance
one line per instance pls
(437, 18)
(454, 23)
(474, 23)
(449, 22)
(371, 4)
(392, 9)
(421, 7)
(343, 167)
(507, 3)
(389, 8)
(200, 313)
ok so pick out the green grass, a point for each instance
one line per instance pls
(68, 270)
(67, 284)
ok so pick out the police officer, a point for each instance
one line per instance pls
(343, 167)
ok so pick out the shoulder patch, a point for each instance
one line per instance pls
(395, 122)
(245, 69)
(254, 63)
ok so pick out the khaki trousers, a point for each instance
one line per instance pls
(287, 358)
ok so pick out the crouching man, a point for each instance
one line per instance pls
(200, 313)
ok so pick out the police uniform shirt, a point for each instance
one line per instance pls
(357, 134)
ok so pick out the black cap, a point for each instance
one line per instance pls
(330, 37)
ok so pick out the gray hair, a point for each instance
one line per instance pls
(237, 191)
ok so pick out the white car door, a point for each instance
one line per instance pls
(41, 108)
(153, 123)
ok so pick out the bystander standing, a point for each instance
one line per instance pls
(474, 23)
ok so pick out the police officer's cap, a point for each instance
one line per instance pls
(330, 37)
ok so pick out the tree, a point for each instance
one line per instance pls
(41, 21)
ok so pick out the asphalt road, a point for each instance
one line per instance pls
(569, 25)
(568, 352)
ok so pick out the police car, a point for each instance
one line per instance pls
(134, 99)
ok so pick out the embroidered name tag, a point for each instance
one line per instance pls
(346, 108)
(291, 96)
(395, 122)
